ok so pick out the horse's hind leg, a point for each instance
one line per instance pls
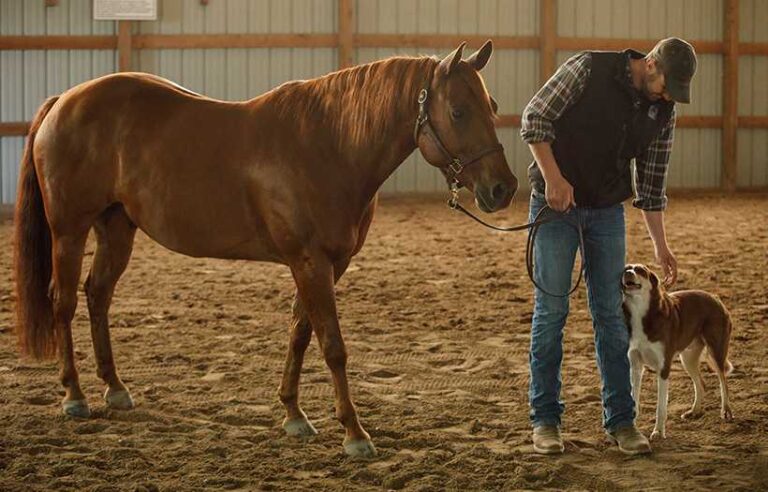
(67, 253)
(296, 422)
(114, 243)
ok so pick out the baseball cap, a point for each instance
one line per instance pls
(677, 61)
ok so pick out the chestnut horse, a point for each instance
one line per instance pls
(290, 177)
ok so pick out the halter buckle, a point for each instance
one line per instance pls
(456, 166)
(422, 96)
(453, 202)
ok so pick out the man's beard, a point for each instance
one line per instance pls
(650, 79)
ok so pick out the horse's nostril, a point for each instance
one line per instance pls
(499, 192)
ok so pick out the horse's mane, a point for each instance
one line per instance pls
(356, 104)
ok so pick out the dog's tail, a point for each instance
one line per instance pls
(713, 363)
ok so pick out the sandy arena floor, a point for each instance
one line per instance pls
(436, 313)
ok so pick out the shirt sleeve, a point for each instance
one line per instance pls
(651, 170)
(560, 92)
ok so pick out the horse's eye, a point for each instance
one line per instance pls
(456, 114)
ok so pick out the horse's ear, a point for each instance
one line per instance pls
(480, 58)
(453, 59)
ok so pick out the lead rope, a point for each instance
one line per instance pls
(546, 214)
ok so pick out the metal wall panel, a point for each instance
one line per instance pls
(26, 78)
(648, 19)
(697, 155)
(237, 74)
(511, 76)
(752, 149)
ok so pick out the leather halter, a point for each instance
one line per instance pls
(456, 165)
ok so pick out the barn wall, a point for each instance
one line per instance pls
(27, 77)
(753, 95)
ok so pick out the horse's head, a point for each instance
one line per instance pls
(455, 130)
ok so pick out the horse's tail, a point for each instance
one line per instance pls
(32, 255)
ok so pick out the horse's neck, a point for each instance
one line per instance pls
(388, 152)
(384, 153)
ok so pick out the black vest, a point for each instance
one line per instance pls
(597, 137)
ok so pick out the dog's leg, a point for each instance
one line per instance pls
(661, 407)
(725, 411)
(636, 368)
(691, 357)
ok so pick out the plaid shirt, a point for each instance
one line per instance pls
(562, 91)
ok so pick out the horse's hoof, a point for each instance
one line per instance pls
(299, 427)
(727, 415)
(76, 408)
(360, 448)
(119, 399)
(657, 435)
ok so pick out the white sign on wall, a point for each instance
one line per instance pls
(125, 9)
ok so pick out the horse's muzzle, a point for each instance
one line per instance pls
(495, 197)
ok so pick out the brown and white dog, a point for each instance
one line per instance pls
(662, 325)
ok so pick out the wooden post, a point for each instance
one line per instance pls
(730, 94)
(548, 38)
(124, 49)
(345, 33)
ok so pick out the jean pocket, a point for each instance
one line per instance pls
(537, 202)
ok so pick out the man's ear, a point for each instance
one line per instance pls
(651, 65)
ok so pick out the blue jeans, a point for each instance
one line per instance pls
(554, 256)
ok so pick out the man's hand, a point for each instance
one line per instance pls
(668, 262)
(559, 193)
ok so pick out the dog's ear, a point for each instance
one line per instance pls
(654, 279)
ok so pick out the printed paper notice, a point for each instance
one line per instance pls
(125, 9)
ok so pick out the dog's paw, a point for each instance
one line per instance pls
(727, 414)
(657, 435)
(692, 414)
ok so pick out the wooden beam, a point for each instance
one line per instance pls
(548, 39)
(443, 41)
(124, 48)
(210, 41)
(730, 94)
(616, 44)
(753, 48)
(346, 37)
(58, 42)
(14, 128)
(753, 121)
(507, 121)
(203, 41)
(699, 122)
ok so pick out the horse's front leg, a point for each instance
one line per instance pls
(314, 275)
